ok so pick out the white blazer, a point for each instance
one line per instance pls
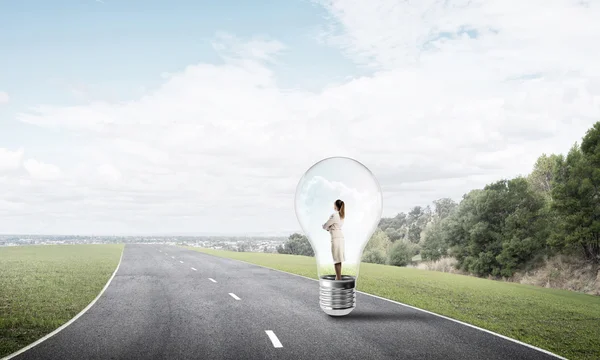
(334, 222)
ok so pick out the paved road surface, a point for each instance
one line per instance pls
(158, 307)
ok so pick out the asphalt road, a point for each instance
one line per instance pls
(159, 307)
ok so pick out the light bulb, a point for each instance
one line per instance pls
(322, 184)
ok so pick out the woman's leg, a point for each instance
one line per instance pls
(338, 271)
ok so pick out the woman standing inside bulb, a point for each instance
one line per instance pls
(334, 226)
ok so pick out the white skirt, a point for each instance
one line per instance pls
(337, 246)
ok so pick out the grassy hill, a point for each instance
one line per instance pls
(560, 321)
(43, 287)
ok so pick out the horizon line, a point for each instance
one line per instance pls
(273, 234)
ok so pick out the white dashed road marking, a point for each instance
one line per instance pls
(213, 280)
(234, 296)
(274, 339)
(181, 261)
(194, 269)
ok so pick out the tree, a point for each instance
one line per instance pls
(414, 233)
(542, 175)
(444, 207)
(416, 221)
(435, 245)
(394, 234)
(525, 230)
(397, 222)
(379, 241)
(401, 253)
(459, 225)
(576, 194)
(495, 231)
(297, 244)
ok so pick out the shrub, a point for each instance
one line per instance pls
(375, 256)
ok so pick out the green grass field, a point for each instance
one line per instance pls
(564, 322)
(42, 287)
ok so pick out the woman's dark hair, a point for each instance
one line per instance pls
(340, 205)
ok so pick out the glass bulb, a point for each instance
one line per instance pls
(322, 184)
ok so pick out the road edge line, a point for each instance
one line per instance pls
(409, 306)
(48, 336)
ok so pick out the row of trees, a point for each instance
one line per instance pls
(507, 226)
(510, 224)
(399, 239)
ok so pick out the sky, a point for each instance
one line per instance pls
(189, 117)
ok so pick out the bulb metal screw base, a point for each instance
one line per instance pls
(337, 297)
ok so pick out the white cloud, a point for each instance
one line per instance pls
(462, 93)
(10, 160)
(40, 170)
(509, 35)
(232, 47)
(109, 172)
(4, 98)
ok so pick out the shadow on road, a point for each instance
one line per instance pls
(361, 316)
